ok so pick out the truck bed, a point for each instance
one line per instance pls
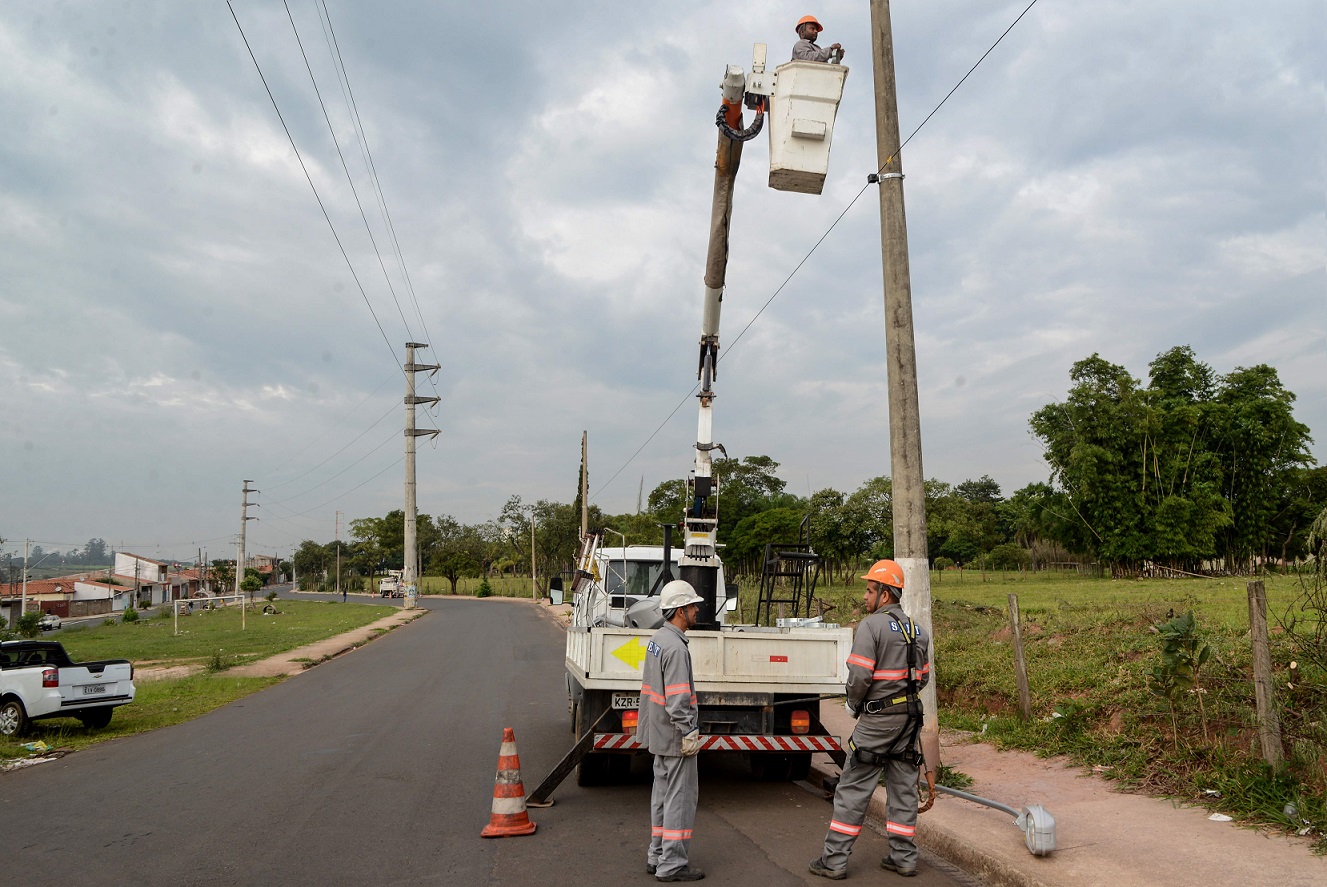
(735, 659)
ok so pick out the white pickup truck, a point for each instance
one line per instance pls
(39, 680)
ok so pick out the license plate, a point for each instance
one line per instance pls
(626, 701)
(94, 689)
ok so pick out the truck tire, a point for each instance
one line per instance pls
(13, 717)
(96, 718)
(598, 769)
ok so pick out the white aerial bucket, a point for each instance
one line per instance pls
(801, 124)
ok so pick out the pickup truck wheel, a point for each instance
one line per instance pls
(13, 718)
(96, 718)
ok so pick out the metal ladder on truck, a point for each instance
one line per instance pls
(788, 578)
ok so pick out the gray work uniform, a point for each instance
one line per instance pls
(667, 713)
(878, 679)
(808, 51)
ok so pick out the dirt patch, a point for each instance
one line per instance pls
(165, 672)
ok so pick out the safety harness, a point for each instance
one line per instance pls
(905, 746)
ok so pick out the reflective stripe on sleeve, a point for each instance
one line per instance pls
(861, 661)
(677, 689)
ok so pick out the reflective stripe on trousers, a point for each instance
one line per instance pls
(672, 812)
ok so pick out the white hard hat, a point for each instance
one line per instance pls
(678, 593)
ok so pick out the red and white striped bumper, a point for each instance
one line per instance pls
(627, 742)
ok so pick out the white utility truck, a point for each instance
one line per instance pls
(758, 687)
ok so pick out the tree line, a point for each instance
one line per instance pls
(1193, 472)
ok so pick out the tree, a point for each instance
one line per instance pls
(455, 551)
(1260, 447)
(95, 552)
(312, 563)
(384, 537)
(1093, 442)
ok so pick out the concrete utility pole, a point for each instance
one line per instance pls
(534, 577)
(338, 552)
(23, 607)
(905, 438)
(244, 524)
(410, 575)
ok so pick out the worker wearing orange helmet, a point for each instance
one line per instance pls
(888, 666)
(805, 49)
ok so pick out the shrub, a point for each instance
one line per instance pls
(944, 563)
(485, 590)
(130, 615)
(28, 625)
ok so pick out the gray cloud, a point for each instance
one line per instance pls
(176, 315)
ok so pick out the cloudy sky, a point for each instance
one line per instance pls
(177, 316)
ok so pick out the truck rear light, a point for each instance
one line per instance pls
(629, 721)
(50, 677)
(801, 722)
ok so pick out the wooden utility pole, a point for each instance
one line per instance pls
(905, 440)
(1269, 724)
(585, 482)
(1020, 660)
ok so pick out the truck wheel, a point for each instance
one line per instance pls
(13, 718)
(96, 718)
(594, 769)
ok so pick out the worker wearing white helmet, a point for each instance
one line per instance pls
(805, 49)
(887, 668)
(669, 726)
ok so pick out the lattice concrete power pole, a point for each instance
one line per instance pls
(905, 437)
(244, 524)
(410, 575)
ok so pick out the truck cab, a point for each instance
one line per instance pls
(615, 587)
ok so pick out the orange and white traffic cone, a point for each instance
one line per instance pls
(509, 817)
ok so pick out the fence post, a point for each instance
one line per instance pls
(1020, 664)
(1269, 725)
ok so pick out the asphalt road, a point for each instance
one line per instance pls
(377, 768)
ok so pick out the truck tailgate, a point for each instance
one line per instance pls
(792, 660)
(93, 683)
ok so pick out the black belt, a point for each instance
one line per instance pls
(879, 706)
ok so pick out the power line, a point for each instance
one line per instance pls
(816, 245)
(346, 169)
(388, 440)
(328, 431)
(314, 188)
(348, 95)
(390, 410)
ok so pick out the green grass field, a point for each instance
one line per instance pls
(212, 639)
(1090, 646)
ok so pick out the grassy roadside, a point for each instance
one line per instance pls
(212, 639)
(1091, 645)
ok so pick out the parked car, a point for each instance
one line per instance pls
(49, 622)
(38, 680)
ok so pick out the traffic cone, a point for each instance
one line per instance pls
(509, 817)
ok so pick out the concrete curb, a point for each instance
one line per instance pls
(291, 662)
(945, 843)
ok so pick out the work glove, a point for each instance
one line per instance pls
(856, 713)
(691, 744)
(930, 791)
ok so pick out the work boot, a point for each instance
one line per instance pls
(685, 873)
(650, 868)
(818, 867)
(888, 864)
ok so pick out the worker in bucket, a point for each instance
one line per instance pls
(670, 725)
(806, 50)
(887, 669)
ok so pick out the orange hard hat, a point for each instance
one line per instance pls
(808, 20)
(887, 573)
